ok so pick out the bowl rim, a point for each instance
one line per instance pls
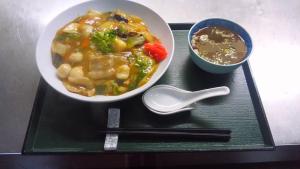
(224, 20)
(105, 99)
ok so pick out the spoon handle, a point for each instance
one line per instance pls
(206, 93)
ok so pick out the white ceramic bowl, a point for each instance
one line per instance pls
(155, 23)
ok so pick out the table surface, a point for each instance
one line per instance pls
(273, 25)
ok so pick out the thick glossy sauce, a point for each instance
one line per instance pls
(102, 53)
(219, 45)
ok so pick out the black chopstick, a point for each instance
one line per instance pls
(190, 130)
(173, 133)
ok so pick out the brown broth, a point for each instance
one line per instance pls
(219, 45)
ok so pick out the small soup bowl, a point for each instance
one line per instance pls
(212, 67)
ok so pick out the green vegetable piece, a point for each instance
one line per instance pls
(135, 40)
(111, 86)
(115, 88)
(104, 40)
(100, 89)
(64, 36)
(143, 64)
(122, 32)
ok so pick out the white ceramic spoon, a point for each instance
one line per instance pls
(165, 98)
(172, 112)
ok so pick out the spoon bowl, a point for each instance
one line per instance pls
(165, 98)
(172, 112)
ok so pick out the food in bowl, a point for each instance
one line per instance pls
(215, 64)
(219, 45)
(106, 53)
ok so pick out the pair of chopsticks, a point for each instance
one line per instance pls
(199, 134)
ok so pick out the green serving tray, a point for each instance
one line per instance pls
(62, 125)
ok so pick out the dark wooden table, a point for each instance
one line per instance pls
(273, 25)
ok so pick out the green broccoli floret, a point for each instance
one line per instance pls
(143, 64)
(104, 40)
